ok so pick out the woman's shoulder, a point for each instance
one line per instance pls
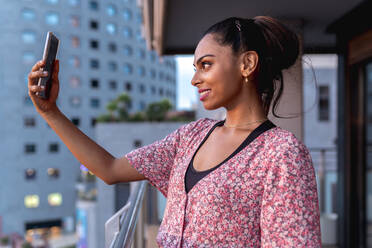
(198, 125)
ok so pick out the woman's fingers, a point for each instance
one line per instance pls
(34, 76)
(38, 65)
(35, 88)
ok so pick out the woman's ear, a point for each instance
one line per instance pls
(249, 62)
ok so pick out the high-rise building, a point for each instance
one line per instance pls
(102, 54)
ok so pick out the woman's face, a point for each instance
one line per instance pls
(217, 74)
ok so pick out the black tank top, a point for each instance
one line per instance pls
(193, 176)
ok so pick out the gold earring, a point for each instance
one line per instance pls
(246, 79)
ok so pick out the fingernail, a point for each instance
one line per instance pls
(45, 73)
(42, 86)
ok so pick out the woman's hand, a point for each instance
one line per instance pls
(43, 106)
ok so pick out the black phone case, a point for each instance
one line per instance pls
(50, 53)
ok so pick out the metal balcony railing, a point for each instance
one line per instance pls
(119, 229)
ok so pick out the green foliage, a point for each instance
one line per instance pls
(26, 245)
(137, 117)
(4, 240)
(157, 111)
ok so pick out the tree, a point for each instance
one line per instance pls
(157, 111)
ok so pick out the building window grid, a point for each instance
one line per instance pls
(53, 147)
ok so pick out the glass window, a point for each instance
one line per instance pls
(74, 61)
(139, 36)
(141, 53)
(55, 199)
(28, 57)
(113, 85)
(142, 88)
(31, 201)
(74, 82)
(94, 44)
(53, 173)
(53, 147)
(74, 2)
(111, 10)
(127, 14)
(28, 37)
(153, 90)
(28, 14)
(112, 47)
(30, 174)
(93, 25)
(75, 101)
(139, 17)
(137, 143)
(323, 106)
(94, 102)
(141, 71)
(94, 64)
(142, 105)
(153, 56)
(128, 69)
(75, 121)
(94, 83)
(52, 1)
(75, 21)
(153, 73)
(127, 32)
(111, 28)
(75, 41)
(52, 18)
(112, 66)
(29, 121)
(161, 92)
(128, 86)
(30, 148)
(93, 121)
(93, 5)
(128, 51)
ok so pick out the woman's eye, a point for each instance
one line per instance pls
(204, 64)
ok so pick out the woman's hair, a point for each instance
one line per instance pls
(277, 48)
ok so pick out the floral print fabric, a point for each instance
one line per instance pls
(264, 196)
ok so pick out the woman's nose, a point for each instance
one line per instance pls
(195, 80)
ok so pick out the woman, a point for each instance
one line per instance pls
(240, 182)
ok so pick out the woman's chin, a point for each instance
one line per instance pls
(210, 106)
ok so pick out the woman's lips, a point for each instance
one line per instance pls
(204, 94)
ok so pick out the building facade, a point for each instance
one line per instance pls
(102, 53)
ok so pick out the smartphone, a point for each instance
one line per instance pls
(49, 55)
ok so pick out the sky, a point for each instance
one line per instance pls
(186, 93)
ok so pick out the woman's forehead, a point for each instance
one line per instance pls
(209, 45)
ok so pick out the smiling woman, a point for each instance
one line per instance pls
(239, 182)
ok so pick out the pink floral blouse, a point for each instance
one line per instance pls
(264, 196)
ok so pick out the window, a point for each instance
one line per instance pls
(127, 51)
(28, 37)
(111, 28)
(94, 64)
(161, 92)
(55, 199)
(142, 105)
(30, 148)
(153, 90)
(112, 47)
(52, 18)
(75, 21)
(74, 3)
(53, 147)
(93, 25)
(153, 56)
(161, 75)
(141, 53)
(93, 5)
(94, 44)
(113, 85)
(323, 106)
(139, 17)
(111, 10)
(75, 121)
(153, 73)
(93, 122)
(141, 71)
(31, 201)
(75, 41)
(29, 122)
(112, 66)
(28, 14)
(128, 69)
(28, 57)
(30, 174)
(94, 102)
(137, 143)
(53, 173)
(128, 86)
(142, 88)
(74, 82)
(139, 36)
(127, 32)
(75, 101)
(127, 15)
(94, 83)
(74, 61)
(52, 1)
